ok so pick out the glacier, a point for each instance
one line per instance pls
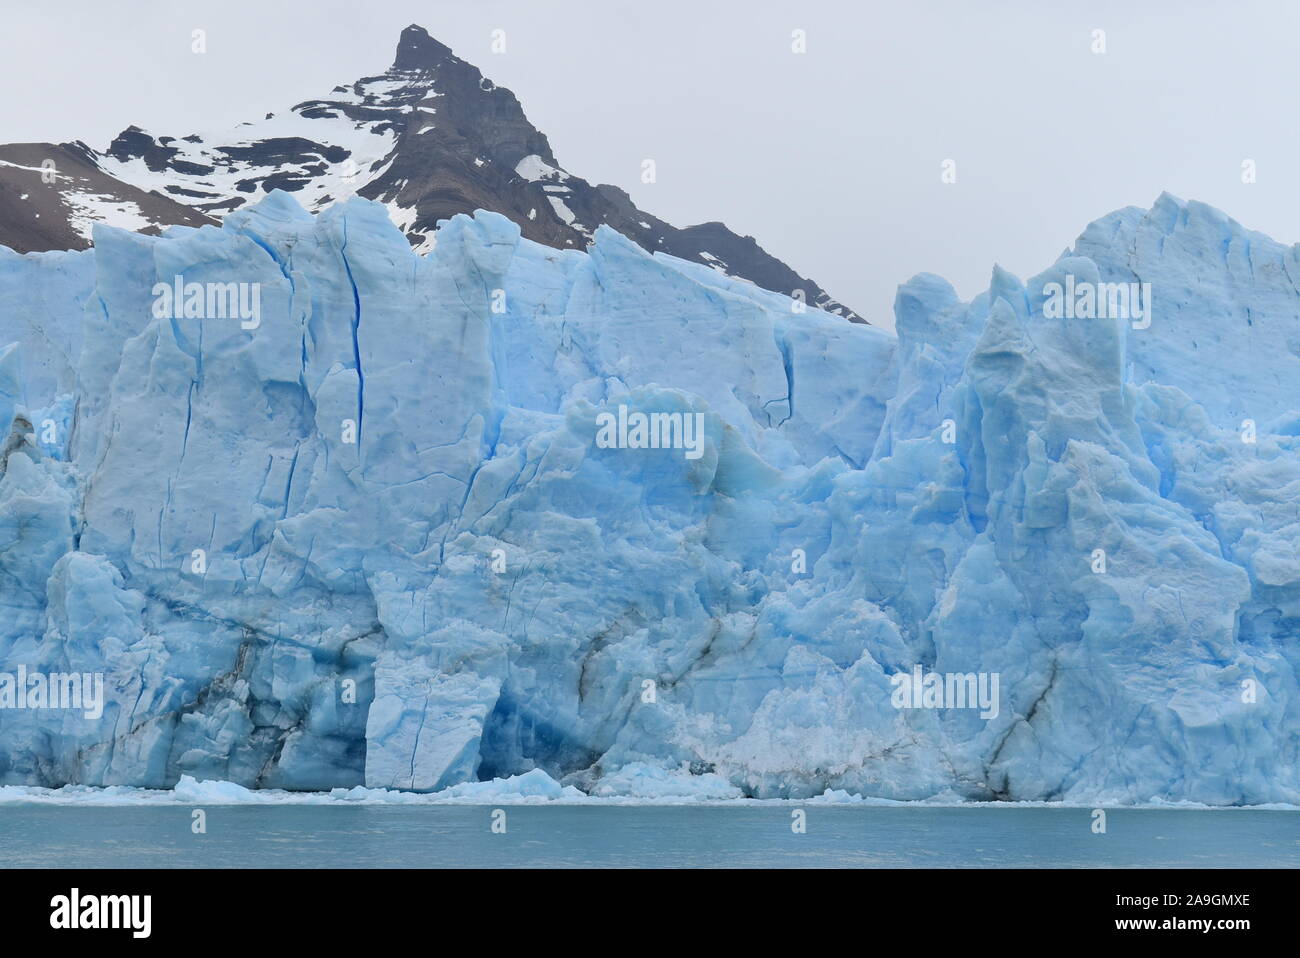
(373, 543)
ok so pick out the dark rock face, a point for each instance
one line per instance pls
(431, 137)
(51, 195)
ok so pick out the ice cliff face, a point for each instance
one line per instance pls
(371, 537)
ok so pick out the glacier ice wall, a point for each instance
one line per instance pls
(372, 540)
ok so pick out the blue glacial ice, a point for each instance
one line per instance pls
(371, 541)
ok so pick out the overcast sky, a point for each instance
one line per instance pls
(831, 159)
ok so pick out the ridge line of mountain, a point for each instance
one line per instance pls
(370, 138)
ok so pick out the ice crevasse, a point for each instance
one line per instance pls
(372, 539)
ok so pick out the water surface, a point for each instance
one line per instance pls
(341, 836)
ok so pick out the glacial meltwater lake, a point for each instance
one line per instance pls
(706, 836)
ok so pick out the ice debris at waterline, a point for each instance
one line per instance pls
(370, 540)
(634, 783)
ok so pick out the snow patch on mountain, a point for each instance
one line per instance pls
(322, 154)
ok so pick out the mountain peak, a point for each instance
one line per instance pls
(429, 138)
(417, 50)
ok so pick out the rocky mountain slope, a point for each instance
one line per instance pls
(429, 138)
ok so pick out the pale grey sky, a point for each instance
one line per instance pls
(830, 159)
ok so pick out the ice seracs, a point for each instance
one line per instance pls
(374, 541)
